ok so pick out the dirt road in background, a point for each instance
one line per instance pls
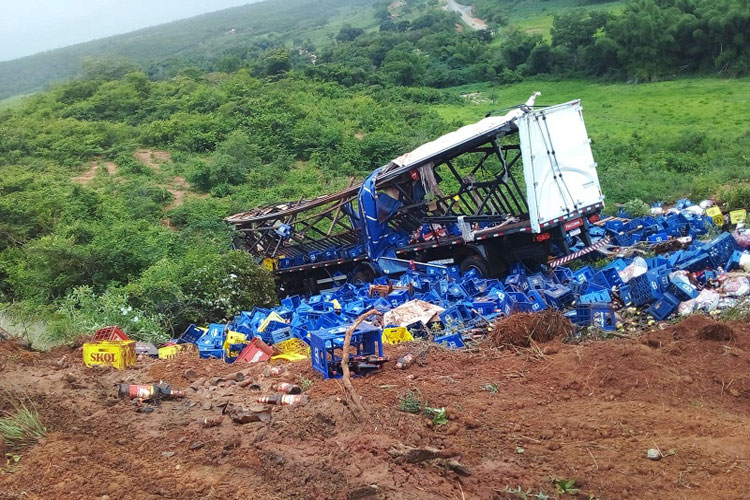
(466, 12)
(516, 417)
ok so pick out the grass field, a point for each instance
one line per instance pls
(663, 140)
(718, 108)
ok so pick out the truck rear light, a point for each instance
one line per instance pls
(594, 218)
(573, 224)
(542, 237)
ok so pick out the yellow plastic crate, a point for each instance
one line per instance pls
(396, 335)
(292, 357)
(715, 214)
(737, 216)
(171, 351)
(271, 317)
(293, 346)
(119, 354)
(234, 338)
(270, 264)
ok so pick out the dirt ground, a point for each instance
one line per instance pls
(515, 417)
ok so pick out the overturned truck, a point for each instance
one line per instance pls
(519, 187)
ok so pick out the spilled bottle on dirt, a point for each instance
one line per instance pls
(405, 361)
(207, 422)
(287, 388)
(273, 371)
(152, 391)
(284, 399)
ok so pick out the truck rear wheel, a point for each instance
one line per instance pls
(364, 275)
(475, 262)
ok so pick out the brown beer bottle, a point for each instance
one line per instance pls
(284, 399)
(406, 361)
(287, 388)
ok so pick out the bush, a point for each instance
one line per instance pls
(736, 197)
(637, 208)
(202, 287)
(82, 312)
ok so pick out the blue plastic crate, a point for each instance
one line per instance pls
(534, 282)
(190, 335)
(656, 262)
(503, 303)
(521, 302)
(398, 297)
(622, 240)
(515, 279)
(326, 345)
(625, 295)
(682, 290)
(641, 291)
(662, 308)
(471, 288)
(281, 335)
(562, 275)
(658, 237)
(659, 278)
(329, 320)
(734, 261)
(698, 263)
(211, 353)
(584, 274)
(599, 315)
(291, 303)
(537, 301)
(559, 296)
(382, 305)
(607, 277)
(594, 297)
(720, 249)
(453, 272)
(484, 307)
(453, 341)
(213, 338)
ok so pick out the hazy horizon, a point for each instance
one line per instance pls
(31, 26)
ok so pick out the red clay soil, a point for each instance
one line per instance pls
(586, 412)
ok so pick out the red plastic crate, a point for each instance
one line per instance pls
(110, 333)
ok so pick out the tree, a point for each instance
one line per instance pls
(110, 68)
(404, 67)
(275, 62)
(347, 34)
(517, 47)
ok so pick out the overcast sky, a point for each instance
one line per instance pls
(31, 26)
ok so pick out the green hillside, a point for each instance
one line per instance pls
(194, 41)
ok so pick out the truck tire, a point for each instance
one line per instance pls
(475, 262)
(364, 275)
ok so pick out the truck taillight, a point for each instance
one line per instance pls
(542, 237)
(594, 218)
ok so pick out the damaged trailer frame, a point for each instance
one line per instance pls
(401, 216)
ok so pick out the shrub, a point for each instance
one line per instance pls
(736, 197)
(637, 208)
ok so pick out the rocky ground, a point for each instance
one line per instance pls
(529, 417)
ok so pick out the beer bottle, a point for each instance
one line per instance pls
(273, 371)
(406, 361)
(287, 388)
(284, 399)
(207, 422)
(153, 391)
